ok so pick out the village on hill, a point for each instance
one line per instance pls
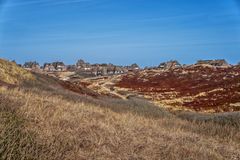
(104, 69)
(80, 67)
(203, 86)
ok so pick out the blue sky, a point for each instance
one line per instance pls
(120, 31)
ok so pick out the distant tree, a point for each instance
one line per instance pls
(80, 62)
(135, 65)
(13, 61)
(71, 67)
(30, 64)
(55, 64)
(104, 65)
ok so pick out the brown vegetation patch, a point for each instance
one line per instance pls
(190, 82)
(78, 87)
(6, 85)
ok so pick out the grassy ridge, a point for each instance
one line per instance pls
(12, 74)
(74, 128)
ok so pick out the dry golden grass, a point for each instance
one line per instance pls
(41, 120)
(12, 74)
(38, 124)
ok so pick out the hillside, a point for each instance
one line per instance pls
(10, 73)
(45, 120)
(195, 88)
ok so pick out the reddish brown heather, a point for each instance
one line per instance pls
(220, 86)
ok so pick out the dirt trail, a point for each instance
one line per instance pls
(105, 85)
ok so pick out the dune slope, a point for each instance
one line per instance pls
(45, 122)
